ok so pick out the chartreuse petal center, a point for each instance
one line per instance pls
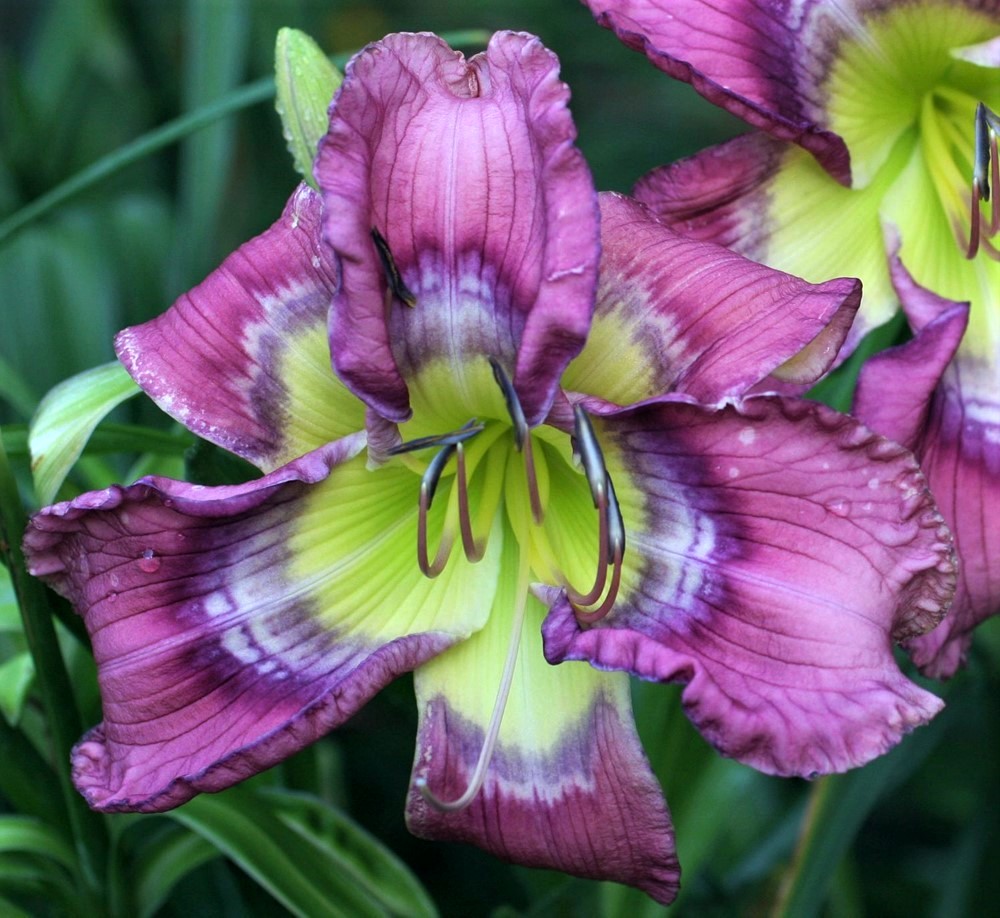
(901, 79)
(469, 483)
(883, 72)
(902, 89)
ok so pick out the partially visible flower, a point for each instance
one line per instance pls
(913, 394)
(763, 550)
(879, 119)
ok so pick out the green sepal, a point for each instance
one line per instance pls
(306, 82)
(66, 418)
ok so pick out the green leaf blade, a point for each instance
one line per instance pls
(66, 418)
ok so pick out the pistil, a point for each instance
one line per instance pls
(499, 705)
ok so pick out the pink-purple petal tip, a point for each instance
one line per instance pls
(591, 807)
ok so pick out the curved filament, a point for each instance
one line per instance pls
(474, 550)
(499, 705)
(428, 487)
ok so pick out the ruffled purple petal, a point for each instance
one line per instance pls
(720, 194)
(232, 626)
(895, 387)
(677, 314)
(765, 63)
(775, 551)
(960, 454)
(591, 807)
(468, 171)
(239, 359)
(771, 202)
(568, 786)
(948, 411)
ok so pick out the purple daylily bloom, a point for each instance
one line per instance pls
(584, 437)
(914, 394)
(875, 121)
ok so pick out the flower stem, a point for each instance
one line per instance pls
(58, 699)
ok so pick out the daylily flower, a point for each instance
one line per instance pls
(877, 120)
(912, 393)
(472, 450)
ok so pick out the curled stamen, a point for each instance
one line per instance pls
(513, 402)
(499, 705)
(466, 432)
(474, 550)
(611, 526)
(616, 523)
(588, 617)
(522, 437)
(589, 452)
(397, 286)
(601, 578)
(985, 170)
(428, 487)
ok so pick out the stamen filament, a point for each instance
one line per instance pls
(974, 223)
(995, 173)
(428, 486)
(611, 526)
(474, 550)
(531, 476)
(985, 169)
(499, 705)
(522, 437)
(588, 599)
(466, 432)
(595, 615)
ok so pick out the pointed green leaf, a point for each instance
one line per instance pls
(66, 418)
(244, 828)
(32, 836)
(306, 82)
(363, 859)
(165, 862)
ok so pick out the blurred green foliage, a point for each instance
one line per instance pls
(911, 835)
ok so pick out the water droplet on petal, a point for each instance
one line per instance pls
(838, 506)
(112, 597)
(149, 563)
